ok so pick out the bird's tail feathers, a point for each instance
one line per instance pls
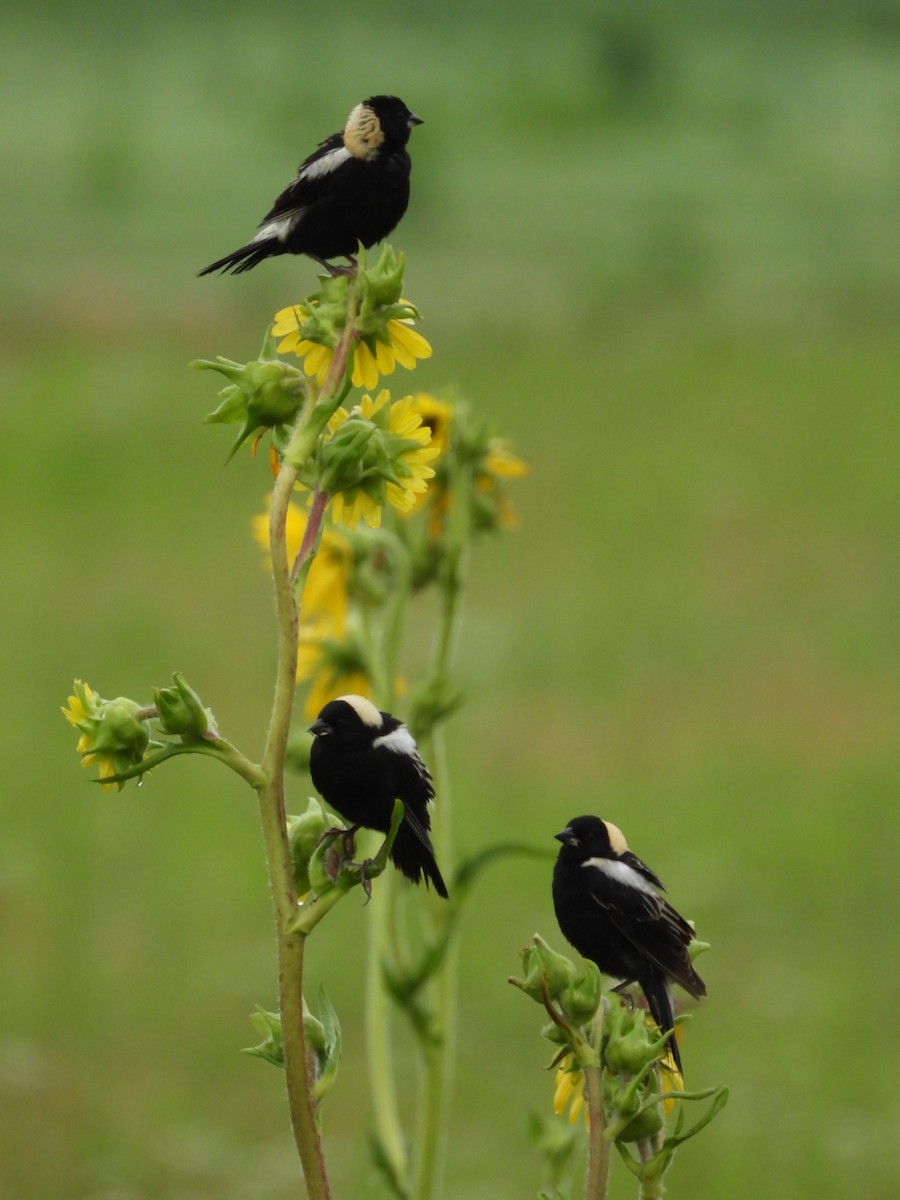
(243, 259)
(659, 1000)
(413, 856)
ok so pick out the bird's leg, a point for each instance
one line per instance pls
(334, 862)
(350, 269)
(621, 989)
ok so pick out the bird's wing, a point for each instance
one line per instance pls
(418, 829)
(412, 777)
(656, 931)
(312, 174)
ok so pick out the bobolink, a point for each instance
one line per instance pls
(361, 761)
(353, 188)
(609, 906)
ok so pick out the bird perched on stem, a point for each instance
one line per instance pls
(353, 189)
(361, 761)
(610, 907)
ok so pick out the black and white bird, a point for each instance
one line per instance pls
(353, 188)
(361, 761)
(610, 907)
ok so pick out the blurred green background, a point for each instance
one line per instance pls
(660, 249)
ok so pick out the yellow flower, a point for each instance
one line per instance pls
(436, 415)
(325, 591)
(83, 706)
(333, 665)
(114, 733)
(406, 447)
(569, 1090)
(372, 357)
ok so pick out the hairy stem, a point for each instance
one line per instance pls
(379, 1047)
(598, 1146)
(438, 1056)
(298, 1061)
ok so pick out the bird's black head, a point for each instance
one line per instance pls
(394, 117)
(589, 837)
(347, 720)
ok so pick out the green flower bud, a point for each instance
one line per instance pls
(181, 712)
(645, 1124)
(544, 968)
(629, 1045)
(264, 394)
(345, 460)
(314, 1032)
(582, 996)
(304, 834)
(122, 731)
(272, 1048)
(379, 289)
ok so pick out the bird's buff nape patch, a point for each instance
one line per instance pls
(617, 842)
(364, 709)
(363, 134)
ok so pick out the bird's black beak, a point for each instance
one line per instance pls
(319, 728)
(412, 119)
(567, 837)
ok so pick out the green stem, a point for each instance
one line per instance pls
(598, 1146)
(298, 1060)
(379, 1048)
(432, 1133)
(379, 1041)
(651, 1182)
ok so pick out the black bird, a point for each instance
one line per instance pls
(361, 761)
(609, 906)
(353, 188)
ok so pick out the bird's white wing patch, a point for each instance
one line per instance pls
(278, 228)
(400, 740)
(326, 164)
(622, 873)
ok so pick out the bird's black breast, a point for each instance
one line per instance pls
(591, 919)
(361, 783)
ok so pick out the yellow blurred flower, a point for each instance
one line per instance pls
(325, 591)
(332, 664)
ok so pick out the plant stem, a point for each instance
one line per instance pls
(438, 1056)
(298, 1061)
(598, 1146)
(381, 1067)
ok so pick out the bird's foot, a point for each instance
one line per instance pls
(350, 269)
(623, 989)
(365, 881)
(336, 859)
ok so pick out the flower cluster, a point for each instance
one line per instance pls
(638, 1082)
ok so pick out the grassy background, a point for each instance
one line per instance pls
(660, 250)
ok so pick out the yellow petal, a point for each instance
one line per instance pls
(385, 358)
(404, 335)
(286, 321)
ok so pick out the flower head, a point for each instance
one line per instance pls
(379, 452)
(114, 733)
(374, 355)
